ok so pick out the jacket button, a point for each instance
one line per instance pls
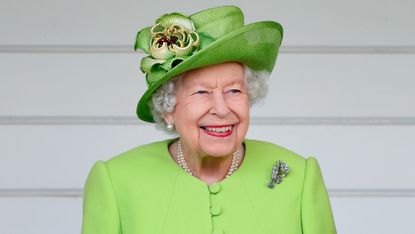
(217, 231)
(214, 188)
(215, 210)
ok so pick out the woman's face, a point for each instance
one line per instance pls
(212, 110)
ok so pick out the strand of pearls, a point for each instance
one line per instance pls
(183, 164)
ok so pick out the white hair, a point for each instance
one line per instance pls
(164, 98)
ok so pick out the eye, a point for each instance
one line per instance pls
(234, 91)
(201, 92)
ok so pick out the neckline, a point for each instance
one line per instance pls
(225, 180)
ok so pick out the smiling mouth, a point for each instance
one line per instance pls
(219, 131)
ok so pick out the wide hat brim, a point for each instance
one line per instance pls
(256, 45)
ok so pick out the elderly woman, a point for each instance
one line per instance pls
(203, 72)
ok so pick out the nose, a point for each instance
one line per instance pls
(219, 105)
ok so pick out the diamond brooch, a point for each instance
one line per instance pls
(279, 171)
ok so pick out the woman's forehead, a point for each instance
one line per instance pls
(215, 75)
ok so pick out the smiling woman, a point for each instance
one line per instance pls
(203, 73)
(211, 100)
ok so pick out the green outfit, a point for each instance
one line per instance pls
(144, 191)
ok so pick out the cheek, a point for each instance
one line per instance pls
(187, 119)
(187, 116)
(240, 107)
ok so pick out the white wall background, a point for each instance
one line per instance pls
(343, 91)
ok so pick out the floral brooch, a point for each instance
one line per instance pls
(279, 171)
(170, 41)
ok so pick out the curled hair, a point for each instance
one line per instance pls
(163, 99)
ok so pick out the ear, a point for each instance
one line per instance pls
(168, 117)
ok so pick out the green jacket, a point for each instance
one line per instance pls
(143, 191)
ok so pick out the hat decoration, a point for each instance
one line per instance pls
(170, 41)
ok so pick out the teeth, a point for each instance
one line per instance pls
(219, 130)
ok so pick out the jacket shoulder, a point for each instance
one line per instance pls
(141, 156)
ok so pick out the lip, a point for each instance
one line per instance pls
(218, 134)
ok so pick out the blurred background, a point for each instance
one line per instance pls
(343, 91)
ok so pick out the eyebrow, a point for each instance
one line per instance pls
(206, 84)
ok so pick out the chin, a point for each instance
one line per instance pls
(219, 148)
(216, 152)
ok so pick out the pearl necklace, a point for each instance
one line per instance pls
(183, 164)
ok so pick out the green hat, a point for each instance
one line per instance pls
(177, 43)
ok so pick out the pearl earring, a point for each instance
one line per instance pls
(170, 126)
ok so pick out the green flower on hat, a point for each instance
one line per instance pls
(170, 41)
